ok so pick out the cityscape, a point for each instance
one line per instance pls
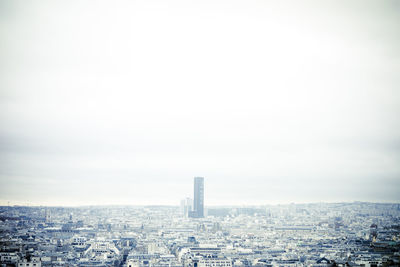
(194, 235)
(200, 133)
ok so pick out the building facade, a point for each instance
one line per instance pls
(198, 201)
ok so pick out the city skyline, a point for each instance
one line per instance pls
(273, 102)
(324, 235)
(204, 133)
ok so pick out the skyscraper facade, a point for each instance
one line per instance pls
(198, 202)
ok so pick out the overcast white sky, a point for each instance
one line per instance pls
(124, 102)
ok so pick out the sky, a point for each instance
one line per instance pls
(124, 102)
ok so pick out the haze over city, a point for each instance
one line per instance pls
(271, 101)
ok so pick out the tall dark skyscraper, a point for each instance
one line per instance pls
(198, 202)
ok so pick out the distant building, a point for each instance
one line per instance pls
(213, 261)
(34, 263)
(48, 216)
(8, 258)
(198, 202)
(186, 207)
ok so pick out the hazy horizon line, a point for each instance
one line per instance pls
(207, 206)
